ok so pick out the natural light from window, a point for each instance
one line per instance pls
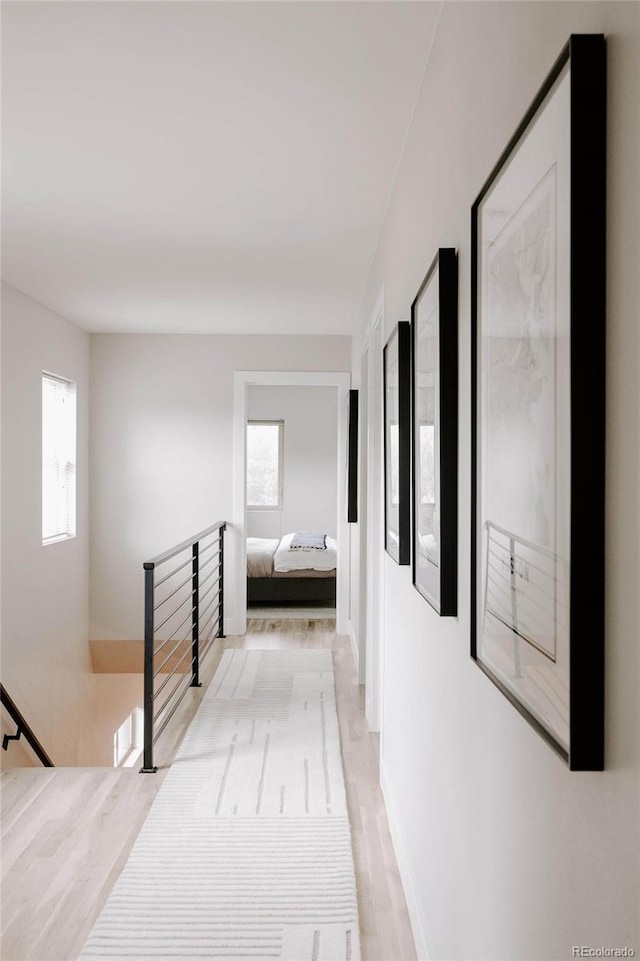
(58, 458)
(127, 740)
(264, 464)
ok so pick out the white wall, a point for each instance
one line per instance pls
(45, 590)
(18, 753)
(161, 449)
(505, 853)
(310, 416)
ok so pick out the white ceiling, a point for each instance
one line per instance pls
(203, 166)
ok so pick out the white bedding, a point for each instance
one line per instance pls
(302, 559)
(260, 551)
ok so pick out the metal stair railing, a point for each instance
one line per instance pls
(22, 728)
(198, 608)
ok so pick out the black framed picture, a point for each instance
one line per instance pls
(397, 443)
(434, 343)
(352, 459)
(538, 395)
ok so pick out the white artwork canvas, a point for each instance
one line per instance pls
(392, 448)
(427, 442)
(434, 338)
(524, 375)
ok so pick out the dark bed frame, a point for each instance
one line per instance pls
(281, 591)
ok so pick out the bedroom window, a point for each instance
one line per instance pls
(265, 458)
(58, 459)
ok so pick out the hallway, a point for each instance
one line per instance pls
(67, 833)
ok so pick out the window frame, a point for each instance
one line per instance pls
(279, 423)
(71, 532)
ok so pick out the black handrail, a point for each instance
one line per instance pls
(167, 555)
(187, 592)
(23, 728)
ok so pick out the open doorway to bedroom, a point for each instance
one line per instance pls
(292, 426)
(291, 508)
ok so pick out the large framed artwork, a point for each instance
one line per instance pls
(538, 395)
(352, 460)
(434, 343)
(397, 444)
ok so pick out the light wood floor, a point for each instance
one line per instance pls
(66, 833)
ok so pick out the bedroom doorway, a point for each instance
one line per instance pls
(291, 508)
(277, 501)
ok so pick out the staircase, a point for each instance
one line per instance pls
(66, 834)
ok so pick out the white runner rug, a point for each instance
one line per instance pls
(246, 851)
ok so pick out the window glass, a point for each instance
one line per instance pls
(264, 464)
(58, 458)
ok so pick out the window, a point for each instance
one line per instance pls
(265, 455)
(127, 741)
(58, 459)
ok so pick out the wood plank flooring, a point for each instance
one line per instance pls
(66, 833)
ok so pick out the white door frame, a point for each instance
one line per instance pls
(363, 531)
(237, 621)
(375, 592)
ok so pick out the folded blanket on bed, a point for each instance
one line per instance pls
(308, 541)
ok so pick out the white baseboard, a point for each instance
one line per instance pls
(233, 626)
(406, 872)
(354, 645)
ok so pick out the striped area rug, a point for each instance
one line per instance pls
(246, 852)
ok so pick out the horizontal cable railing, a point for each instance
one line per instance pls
(525, 596)
(22, 728)
(183, 615)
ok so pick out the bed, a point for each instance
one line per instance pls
(281, 573)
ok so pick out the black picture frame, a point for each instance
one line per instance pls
(397, 443)
(434, 434)
(352, 459)
(547, 659)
